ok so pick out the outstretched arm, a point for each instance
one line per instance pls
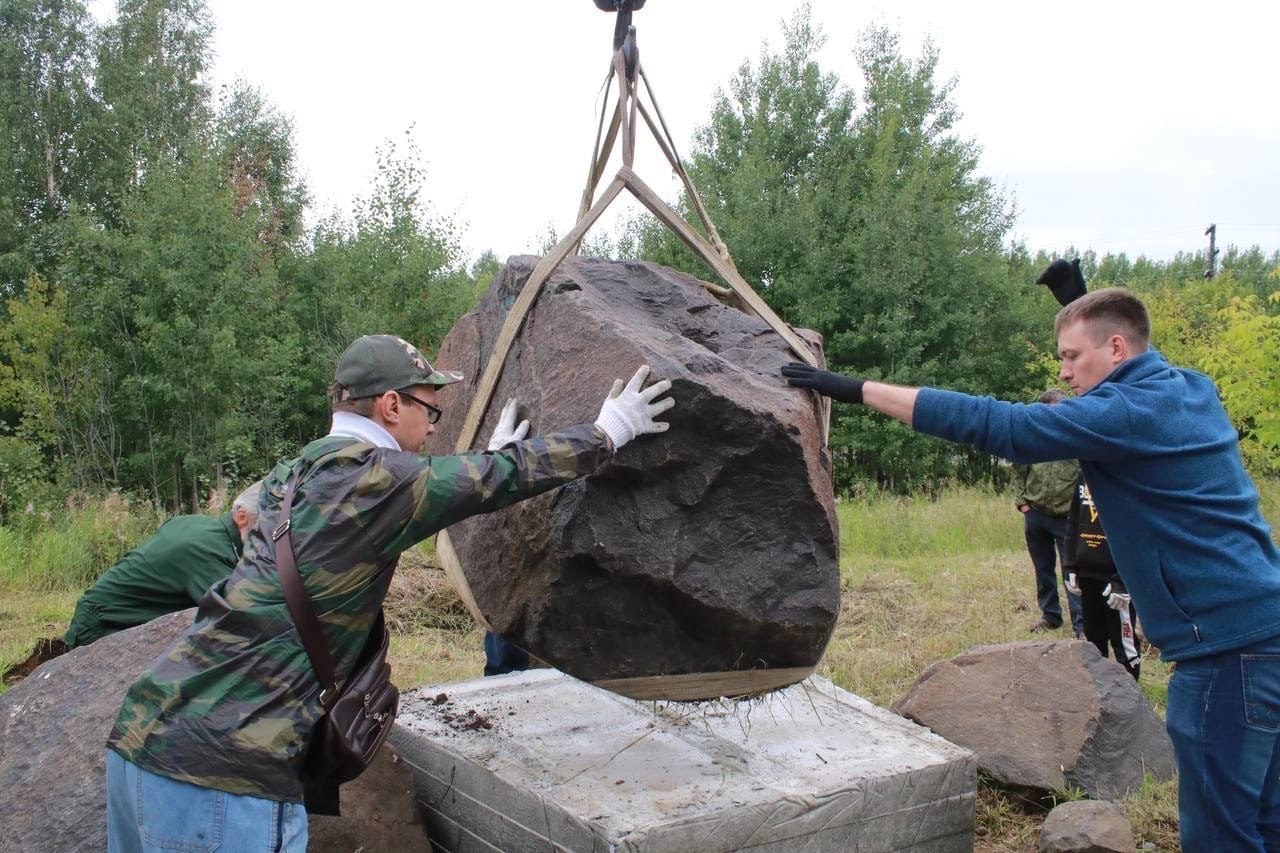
(896, 401)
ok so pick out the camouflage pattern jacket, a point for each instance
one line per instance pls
(231, 704)
(1046, 486)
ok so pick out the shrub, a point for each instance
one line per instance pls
(68, 548)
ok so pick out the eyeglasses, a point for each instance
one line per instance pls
(433, 414)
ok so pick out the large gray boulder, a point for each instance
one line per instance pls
(1044, 716)
(53, 733)
(709, 549)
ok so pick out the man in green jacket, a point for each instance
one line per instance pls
(1044, 493)
(168, 572)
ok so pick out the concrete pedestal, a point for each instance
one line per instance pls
(541, 761)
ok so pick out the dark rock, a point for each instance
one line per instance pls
(53, 733)
(1086, 826)
(1044, 716)
(711, 548)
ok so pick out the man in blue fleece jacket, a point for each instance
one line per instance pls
(1181, 515)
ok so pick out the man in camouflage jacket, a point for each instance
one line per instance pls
(209, 745)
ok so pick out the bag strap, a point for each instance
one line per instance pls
(304, 615)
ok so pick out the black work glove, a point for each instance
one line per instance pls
(846, 389)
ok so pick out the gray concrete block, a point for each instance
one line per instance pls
(541, 761)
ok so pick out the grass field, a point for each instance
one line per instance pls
(922, 580)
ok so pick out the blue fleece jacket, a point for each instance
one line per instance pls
(1163, 464)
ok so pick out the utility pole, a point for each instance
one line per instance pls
(1212, 232)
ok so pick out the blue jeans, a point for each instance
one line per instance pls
(1224, 720)
(147, 813)
(1046, 535)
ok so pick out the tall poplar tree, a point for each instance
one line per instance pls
(46, 102)
(863, 216)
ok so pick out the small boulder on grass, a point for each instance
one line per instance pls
(1044, 716)
(1086, 826)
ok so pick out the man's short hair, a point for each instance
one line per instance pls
(340, 402)
(1053, 395)
(1106, 312)
(248, 499)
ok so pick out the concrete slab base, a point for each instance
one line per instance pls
(541, 761)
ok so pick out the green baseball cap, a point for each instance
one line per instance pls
(375, 364)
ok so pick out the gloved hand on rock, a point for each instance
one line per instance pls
(506, 431)
(629, 411)
(846, 389)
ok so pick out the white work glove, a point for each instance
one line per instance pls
(629, 411)
(1116, 600)
(1072, 586)
(506, 431)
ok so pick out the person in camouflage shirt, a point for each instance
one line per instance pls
(1044, 492)
(210, 742)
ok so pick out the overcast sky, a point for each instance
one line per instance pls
(1116, 126)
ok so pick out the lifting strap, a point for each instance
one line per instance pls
(627, 72)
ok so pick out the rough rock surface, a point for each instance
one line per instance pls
(1086, 826)
(53, 730)
(711, 548)
(1043, 716)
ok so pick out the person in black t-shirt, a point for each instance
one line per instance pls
(1107, 611)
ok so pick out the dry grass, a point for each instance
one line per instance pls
(907, 614)
(421, 597)
(1153, 811)
(924, 580)
(433, 637)
(1005, 823)
(436, 656)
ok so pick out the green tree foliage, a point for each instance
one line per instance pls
(393, 267)
(865, 219)
(36, 372)
(1223, 328)
(1247, 367)
(182, 327)
(151, 60)
(254, 142)
(169, 323)
(45, 69)
(182, 308)
(46, 104)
